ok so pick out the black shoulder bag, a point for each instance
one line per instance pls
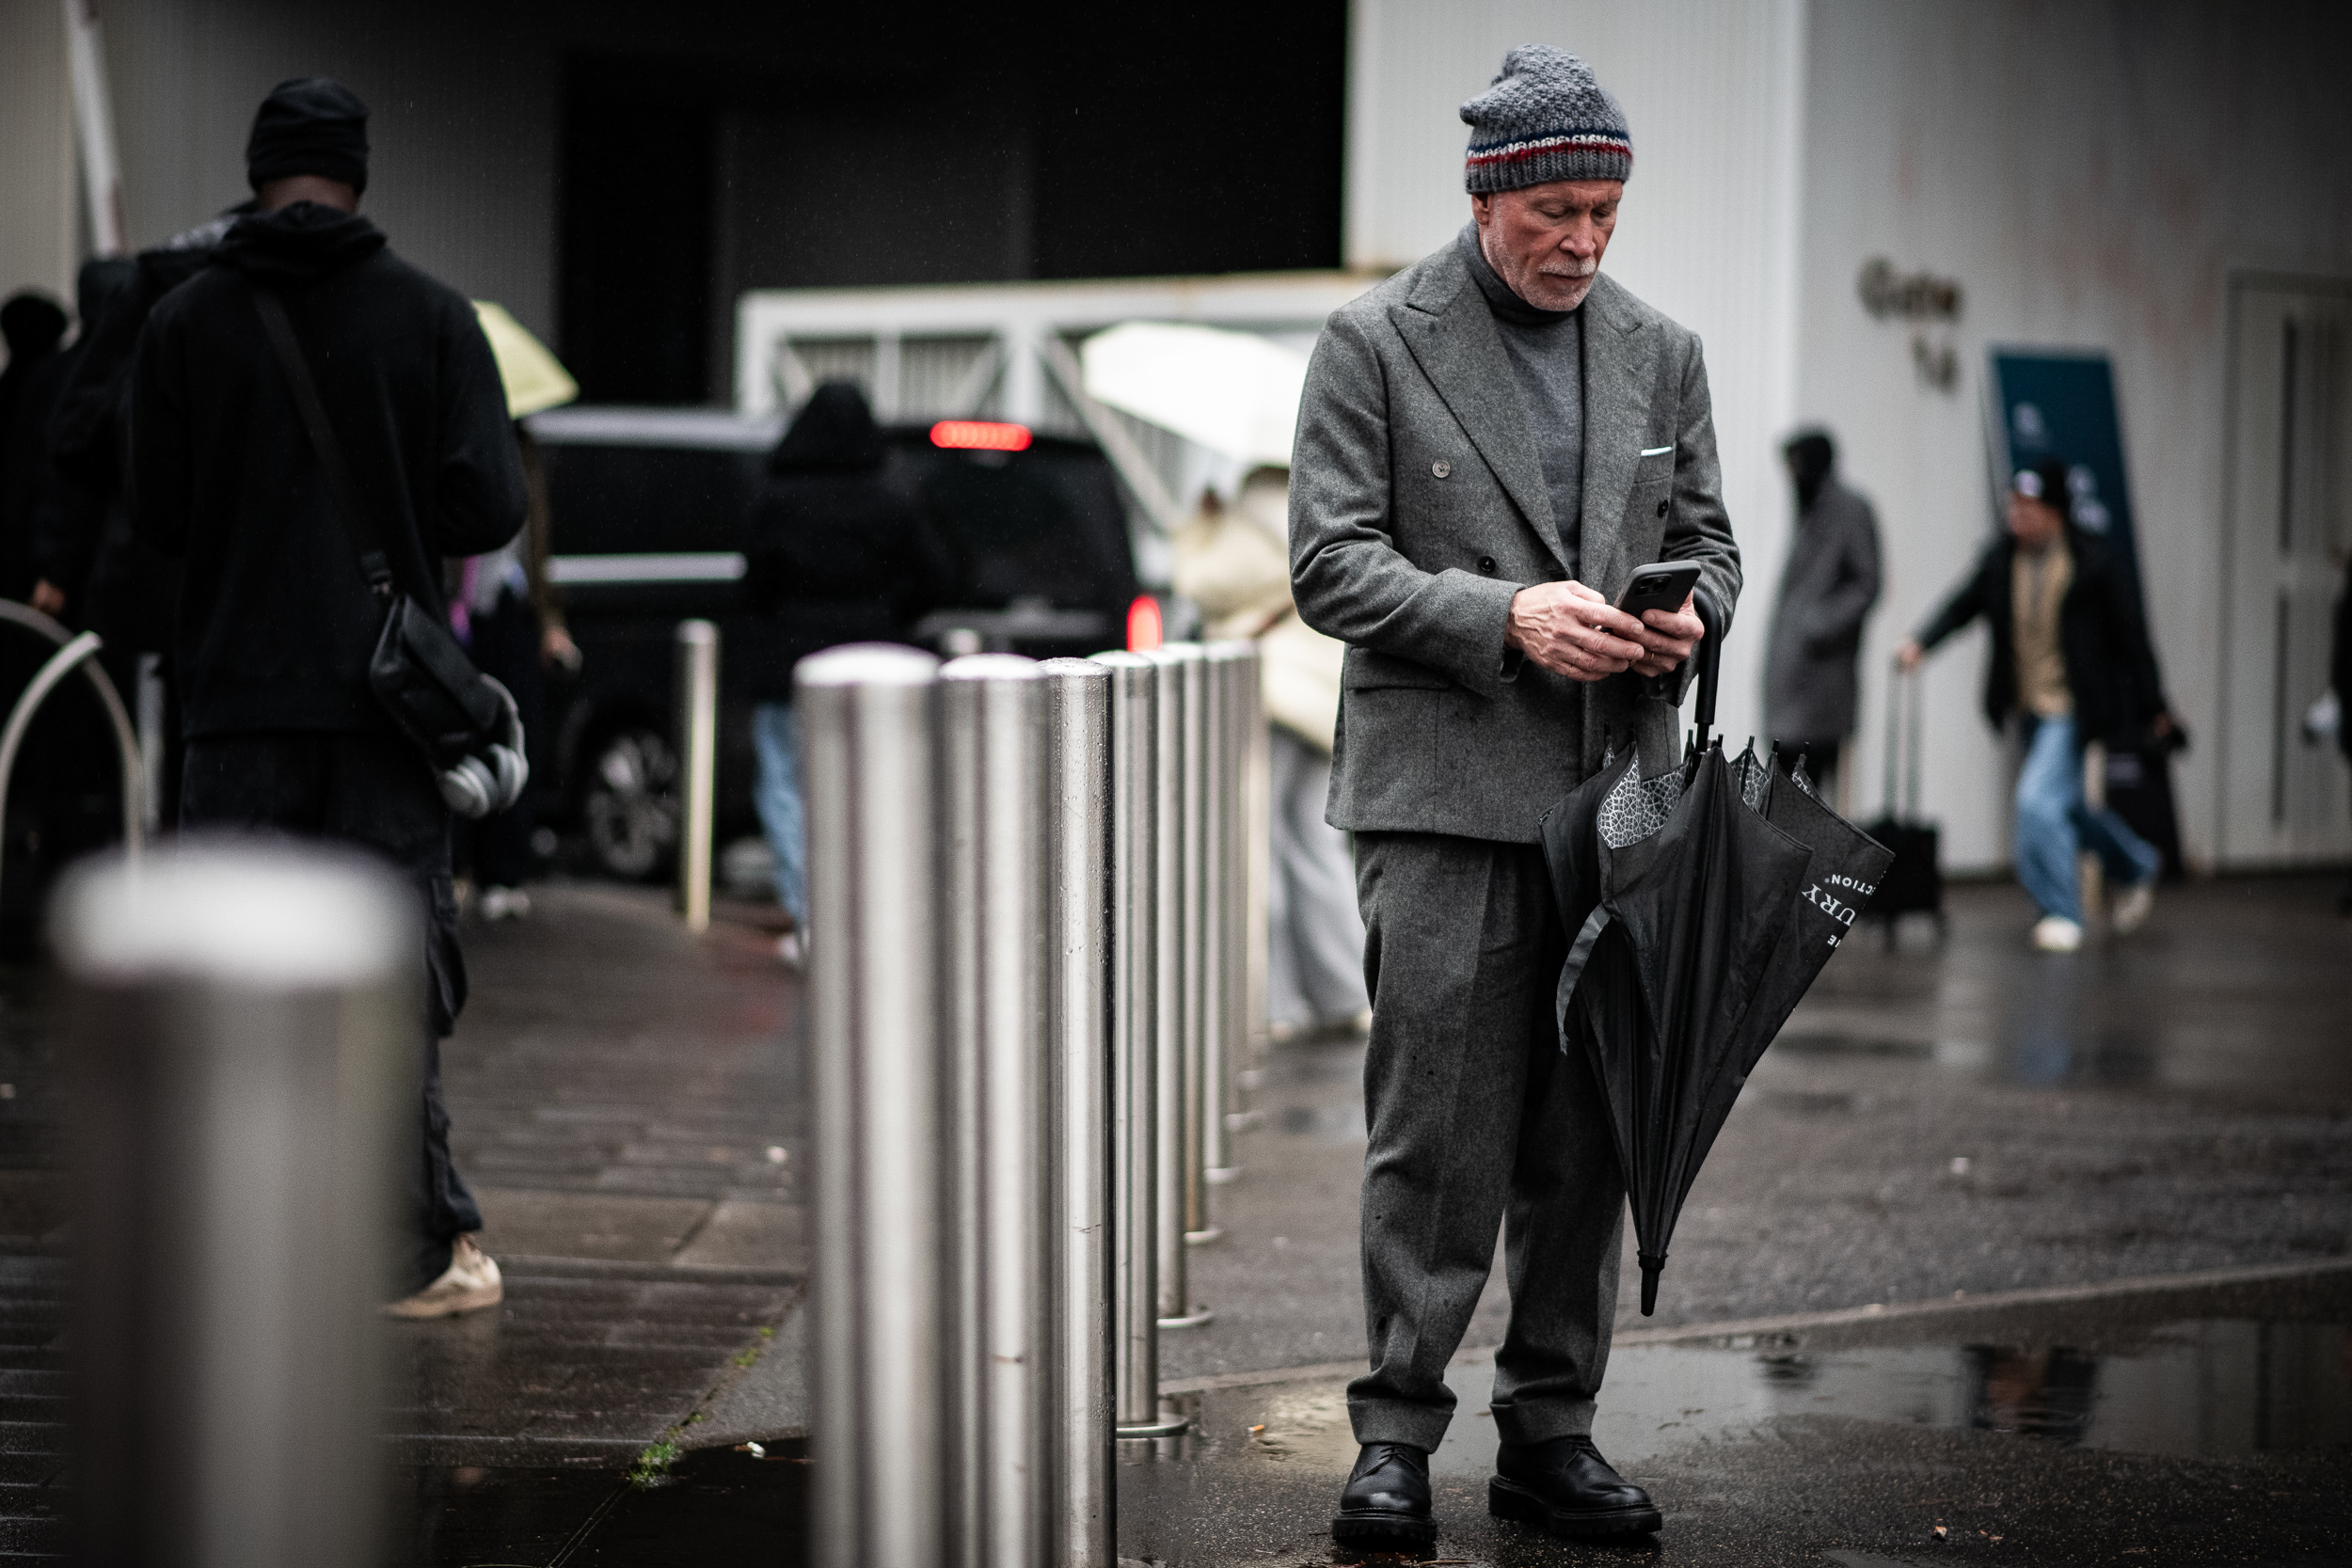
(464, 723)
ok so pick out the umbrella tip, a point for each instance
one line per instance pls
(1650, 1266)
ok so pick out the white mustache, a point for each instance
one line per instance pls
(1583, 267)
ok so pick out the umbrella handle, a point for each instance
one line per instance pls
(1650, 1267)
(1710, 662)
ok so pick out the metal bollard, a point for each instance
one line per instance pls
(1209, 927)
(882, 1339)
(1233, 670)
(1078, 923)
(1203, 714)
(992, 781)
(698, 760)
(1258, 848)
(1136, 681)
(1175, 966)
(247, 1039)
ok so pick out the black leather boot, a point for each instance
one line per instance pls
(1385, 1503)
(1566, 1487)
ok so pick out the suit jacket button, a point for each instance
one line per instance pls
(1485, 562)
(1661, 509)
(1441, 467)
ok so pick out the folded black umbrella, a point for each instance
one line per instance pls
(1702, 903)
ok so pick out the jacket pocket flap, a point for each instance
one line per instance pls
(1366, 671)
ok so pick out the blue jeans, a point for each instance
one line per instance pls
(781, 813)
(2055, 823)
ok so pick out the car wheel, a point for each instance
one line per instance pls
(631, 805)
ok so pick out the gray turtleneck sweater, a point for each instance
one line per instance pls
(1546, 349)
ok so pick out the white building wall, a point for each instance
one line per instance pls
(2090, 173)
(1707, 233)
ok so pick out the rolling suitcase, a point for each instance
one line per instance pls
(1914, 885)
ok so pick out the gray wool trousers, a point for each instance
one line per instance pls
(1477, 1122)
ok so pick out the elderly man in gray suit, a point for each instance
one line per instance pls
(1489, 443)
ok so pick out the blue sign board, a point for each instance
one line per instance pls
(2061, 404)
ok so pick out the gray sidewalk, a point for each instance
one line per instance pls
(628, 1102)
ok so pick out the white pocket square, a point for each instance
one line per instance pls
(1658, 451)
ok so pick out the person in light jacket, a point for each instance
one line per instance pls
(1827, 591)
(1232, 561)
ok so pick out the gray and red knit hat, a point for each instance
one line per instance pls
(1545, 116)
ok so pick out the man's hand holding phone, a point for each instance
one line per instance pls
(1571, 631)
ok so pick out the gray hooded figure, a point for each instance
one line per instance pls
(1827, 591)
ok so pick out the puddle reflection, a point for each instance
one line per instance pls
(2211, 1389)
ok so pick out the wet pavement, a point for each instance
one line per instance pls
(628, 1102)
(1957, 1115)
(2172, 1427)
(2169, 1426)
(1947, 1122)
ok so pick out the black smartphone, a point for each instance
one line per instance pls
(1660, 585)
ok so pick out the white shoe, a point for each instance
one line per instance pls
(469, 1283)
(505, 903)
(2131, 910)
(2054, 933)
(791, 950)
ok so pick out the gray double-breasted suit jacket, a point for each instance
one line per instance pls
(1419, 508)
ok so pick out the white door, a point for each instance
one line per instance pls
(2285, 801)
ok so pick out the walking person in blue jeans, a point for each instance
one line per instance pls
(840, 549)
(2071, 659)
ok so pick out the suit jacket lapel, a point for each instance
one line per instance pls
(1620, 375)
(1452, 336)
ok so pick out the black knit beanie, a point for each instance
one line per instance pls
(311, 125)
(2046, 480)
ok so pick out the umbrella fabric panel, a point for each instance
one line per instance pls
(1569, 832)
(1233, 393)
(535, 380)
(1702, 903)
(1704, 906)
(1844, 868)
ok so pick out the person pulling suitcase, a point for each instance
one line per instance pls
(2070, 659)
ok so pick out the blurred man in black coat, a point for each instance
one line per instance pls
(841, 551)
(69, 519)
(1827, 591)
(276, 622)
(32, 324)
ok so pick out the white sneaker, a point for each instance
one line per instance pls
(505, 903)
(2054, 933)
(470, 1284)
(2131, 910)
(791, 950)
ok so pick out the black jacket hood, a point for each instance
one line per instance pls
(834, 433)
(297, 244)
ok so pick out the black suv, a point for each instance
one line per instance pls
(649, 507)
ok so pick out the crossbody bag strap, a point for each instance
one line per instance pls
(359, 524)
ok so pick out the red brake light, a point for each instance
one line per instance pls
(1143, 625)
(981, 435)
